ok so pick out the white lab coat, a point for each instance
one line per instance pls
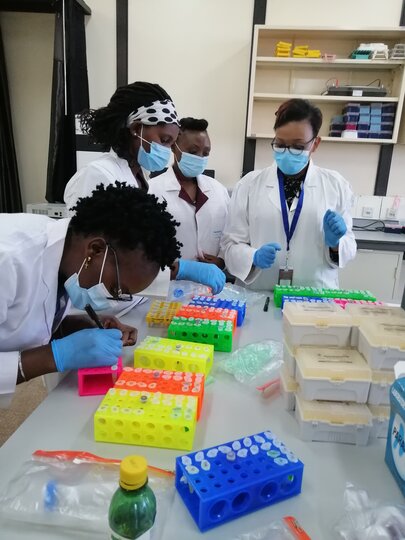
(31, 249)
(107, 169)
(199, 232)
(255, 219)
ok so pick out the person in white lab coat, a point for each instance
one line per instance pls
(290, 222)
(112, 247)
(136, 129)
(198, 202)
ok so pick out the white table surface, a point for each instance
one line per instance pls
(65, 421)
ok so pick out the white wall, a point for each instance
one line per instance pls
(28, 45)
(357, 162)
(199, 52)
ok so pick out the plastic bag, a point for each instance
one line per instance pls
(73, 490)
(184, 291)
(284, 529)
(367, 519)
(236, 292)
(255, 364)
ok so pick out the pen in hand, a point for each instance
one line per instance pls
(93, 316)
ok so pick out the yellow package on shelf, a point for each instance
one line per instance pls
(174, 355)
(313, 53)
(146, 419)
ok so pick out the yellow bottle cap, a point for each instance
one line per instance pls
(133, 472)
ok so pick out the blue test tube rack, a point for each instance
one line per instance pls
(210, 301)
(225, 482)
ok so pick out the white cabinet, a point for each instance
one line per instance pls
(376, 271)
(274, 79)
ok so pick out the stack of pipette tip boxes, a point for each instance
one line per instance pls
(339, 366)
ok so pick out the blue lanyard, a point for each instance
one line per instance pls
(289, 231)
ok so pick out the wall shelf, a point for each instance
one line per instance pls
(274, 80)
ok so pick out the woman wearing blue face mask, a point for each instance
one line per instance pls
(291, 223)
(111, 248)
(136, 130)
(198, 202)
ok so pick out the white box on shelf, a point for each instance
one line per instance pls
(381, 419)
(332, 374)
(382, 342)
(381, 381)
(329, 421)
(368, 207)
(324, 324)
(288, 389)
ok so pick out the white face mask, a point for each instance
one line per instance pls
(97, 296)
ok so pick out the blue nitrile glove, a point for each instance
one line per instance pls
(266, 255)
(205, 273)
(334, 228)
(88, 348)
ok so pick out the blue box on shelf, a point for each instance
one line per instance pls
(335, 133)
(225, 482)
(351, 108)
(388, 117)
(337, 126)
(362, 133)
(389, 108)
(351, 118)
(385, 134)
(337, 119)
(364, 118)
(374, 134)
(363, 127)
(364, 109)
(376, 106)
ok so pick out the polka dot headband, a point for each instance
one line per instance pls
(160, 111)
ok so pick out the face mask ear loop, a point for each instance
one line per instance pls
(81, 268)
(102, 266)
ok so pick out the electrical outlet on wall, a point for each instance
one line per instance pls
(393, 208)
(367, 207)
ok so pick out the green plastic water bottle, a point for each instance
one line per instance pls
(133, 506)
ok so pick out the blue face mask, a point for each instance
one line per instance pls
(96, 296)
(190, 165)
(156, 159)
(290, 164)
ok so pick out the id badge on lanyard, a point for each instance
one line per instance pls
(285, 275)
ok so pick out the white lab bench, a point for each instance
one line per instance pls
(377, 266)
(65, 421)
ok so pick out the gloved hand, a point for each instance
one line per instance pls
(266, 255)
(88, 348)
(334, 228)
(205, 273)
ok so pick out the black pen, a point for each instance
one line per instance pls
(266, 304)
(93, 316)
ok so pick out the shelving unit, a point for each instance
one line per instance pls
(274, 80)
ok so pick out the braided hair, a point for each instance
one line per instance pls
(107, 125)
(193, 124)
(129, 219)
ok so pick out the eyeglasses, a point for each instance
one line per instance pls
(118, 295)
(295, 150)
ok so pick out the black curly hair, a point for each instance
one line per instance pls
(295, 110)
(128, 218)
(107, 126)
(193, 124)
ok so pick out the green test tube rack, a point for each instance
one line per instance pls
(214, 332)
(349, 294)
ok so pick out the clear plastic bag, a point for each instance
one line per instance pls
(367, 519)
(284, 529)
(184, 291)
(255, 364)
(73, 490)
(236, 292)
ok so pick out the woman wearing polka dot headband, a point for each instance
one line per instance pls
(136, 130)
